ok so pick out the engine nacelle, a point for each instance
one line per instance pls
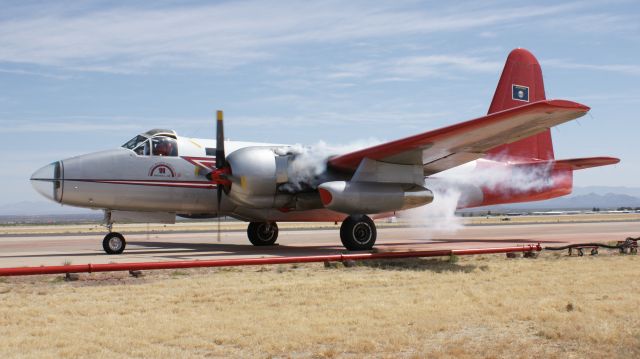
(372, 197)
(257, 172)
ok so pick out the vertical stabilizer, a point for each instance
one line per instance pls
(521, 83)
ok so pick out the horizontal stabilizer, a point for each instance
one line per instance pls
(573, 163)
(582, 163)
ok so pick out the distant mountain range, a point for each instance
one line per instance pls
(604, 190)
(585, 201)
(582, 198)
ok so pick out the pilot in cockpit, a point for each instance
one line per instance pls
(157, 145)
(163, 146)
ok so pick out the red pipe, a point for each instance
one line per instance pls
(88, 268)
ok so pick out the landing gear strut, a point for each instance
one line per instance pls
(262, 233)
(358, 233)
(114, 243)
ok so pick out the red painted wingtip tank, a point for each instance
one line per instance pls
(503, 157)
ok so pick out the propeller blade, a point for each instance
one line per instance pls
(220, 189)
(221, 159)
(221, 162)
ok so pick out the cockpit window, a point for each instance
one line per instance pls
(134, 142)
(158, 146)
(143, 149)
(164, 146)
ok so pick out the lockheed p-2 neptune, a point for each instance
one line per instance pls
(159, 175)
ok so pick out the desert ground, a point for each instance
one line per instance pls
(485, 306)
(488, 306)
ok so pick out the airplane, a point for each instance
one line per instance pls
(158, 175)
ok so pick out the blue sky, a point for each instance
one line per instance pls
(78, 77)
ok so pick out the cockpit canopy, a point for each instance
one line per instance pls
(156, 142)
(160, 131)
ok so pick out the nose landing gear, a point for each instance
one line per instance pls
(114, 243)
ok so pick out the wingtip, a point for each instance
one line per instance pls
(606, 161)
(568, 104)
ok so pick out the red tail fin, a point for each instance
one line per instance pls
(521, 83)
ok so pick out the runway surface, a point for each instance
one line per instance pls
(29, 250)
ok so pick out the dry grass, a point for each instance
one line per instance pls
(487, 306)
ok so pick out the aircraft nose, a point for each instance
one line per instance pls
(48, 181)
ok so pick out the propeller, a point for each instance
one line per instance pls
(221, 172)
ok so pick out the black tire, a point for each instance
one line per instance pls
(358, 233)
(262, 233)
(114, 243)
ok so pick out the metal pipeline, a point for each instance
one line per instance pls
(111, 267)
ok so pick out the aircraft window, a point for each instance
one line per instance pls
(134, 142)
(210, 151)
(164, 146)
(143, 149)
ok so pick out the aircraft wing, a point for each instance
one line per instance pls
(454, 145)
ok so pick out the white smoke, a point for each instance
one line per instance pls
(498, 174)
(438, 216)
(308, 163)
(462, 186)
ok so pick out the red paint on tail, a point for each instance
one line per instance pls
(521, 83)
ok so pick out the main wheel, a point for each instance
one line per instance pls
(358, 233)
(114, 243)
(262, 233)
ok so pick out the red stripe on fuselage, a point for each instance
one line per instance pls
(204, 162)
(183, 184)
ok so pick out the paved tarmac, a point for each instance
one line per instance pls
(30, 250)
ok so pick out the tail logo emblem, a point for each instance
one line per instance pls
(520, 93)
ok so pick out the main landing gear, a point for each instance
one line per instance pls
(262, 233)
(358, 233)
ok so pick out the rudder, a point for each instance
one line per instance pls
(521, 83)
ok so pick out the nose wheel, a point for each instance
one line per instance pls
(114, 243)
(262, 233)
(358, 233)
